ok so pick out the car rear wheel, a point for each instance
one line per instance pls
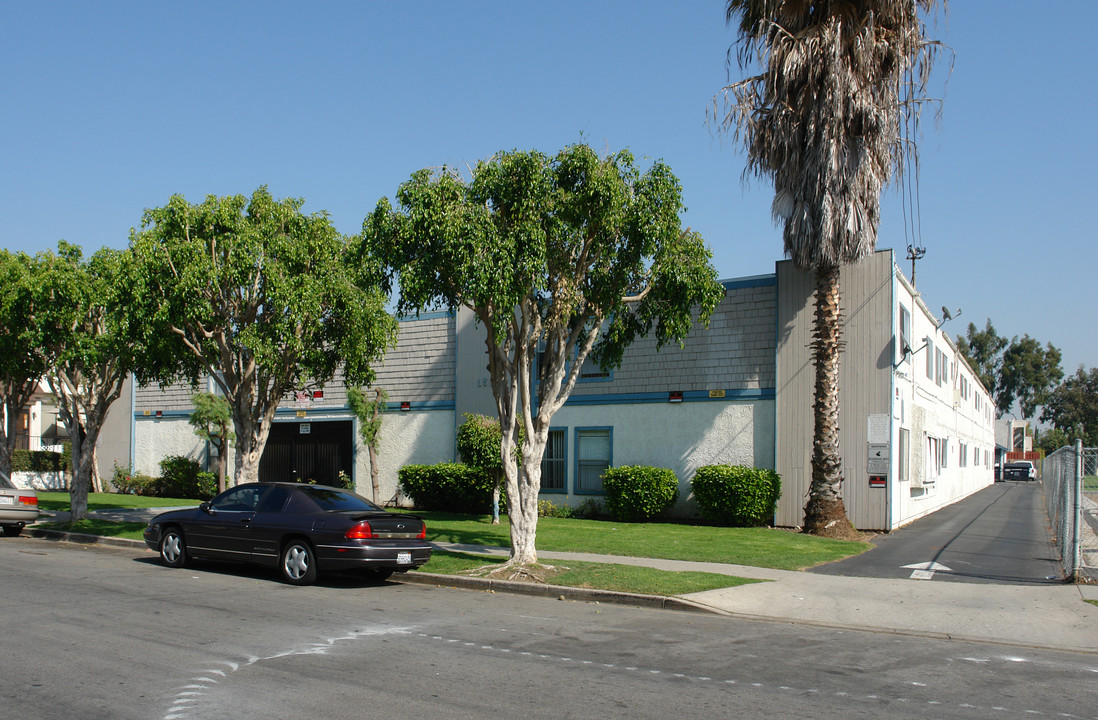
(13, 530)
(378, 575)
(298, 563)
(173, 549)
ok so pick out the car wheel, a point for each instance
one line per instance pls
(173, 549)
(298, 563)
(378, 575)
(13, 530)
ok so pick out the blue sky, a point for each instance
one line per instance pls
(110, 108)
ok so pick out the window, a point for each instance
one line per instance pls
(554, 471)
(934, 448)
(904, 465)
(962, 455)
(905, 333)
(930, 358)
(592, 458)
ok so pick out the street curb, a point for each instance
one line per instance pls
(561, 592)
(82, 539)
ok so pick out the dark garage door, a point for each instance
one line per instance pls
(304, 451)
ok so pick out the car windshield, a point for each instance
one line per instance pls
(5, 482)
(332, 500)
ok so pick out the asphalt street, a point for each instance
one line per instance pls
(999, 535)
(96, 632)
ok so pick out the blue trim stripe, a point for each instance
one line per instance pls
(751, 282)
(661, 397)
(425, 316)
(283, 412)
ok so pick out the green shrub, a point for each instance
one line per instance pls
(636, 493)
(182, 477)
(736, 495)
(449, 487)
(38, 461)
(588, 509)
(129, 483)
(548, 509)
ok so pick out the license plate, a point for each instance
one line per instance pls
(404, 558)
(6, 500)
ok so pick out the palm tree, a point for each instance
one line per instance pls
(828, 116)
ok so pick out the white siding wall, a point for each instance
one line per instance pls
(927, 409)
(679, 436)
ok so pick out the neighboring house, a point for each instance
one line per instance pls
(739, 392)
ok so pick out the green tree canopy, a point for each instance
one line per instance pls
(1072, 407)
(1027, 375)
(102, 346)
(27, 345)
(256, 294)
(566, 256)
(984, 351)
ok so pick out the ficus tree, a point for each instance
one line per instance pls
(828, 117)
(256, 294)
(27, 345)
(560, 258)
(100, 346)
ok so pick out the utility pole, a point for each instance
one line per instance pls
(913, 254)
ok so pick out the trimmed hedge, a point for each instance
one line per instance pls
(449, 487)
(635, 493)
(736, 495)
(182, 477)
(40, 461)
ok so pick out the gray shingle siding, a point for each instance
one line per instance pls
(736, 352)
(419, 369)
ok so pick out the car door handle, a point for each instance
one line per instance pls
(246, 520)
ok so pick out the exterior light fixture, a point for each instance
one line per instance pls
(675, 396)
(405, 406)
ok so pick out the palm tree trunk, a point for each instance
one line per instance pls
(825, 514)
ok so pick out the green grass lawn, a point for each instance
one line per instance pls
(620, 578)
(757, 547)
(54, 501)
(106, 528)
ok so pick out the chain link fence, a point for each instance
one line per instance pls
(1070, 477)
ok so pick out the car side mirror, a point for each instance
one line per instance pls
(205, 507)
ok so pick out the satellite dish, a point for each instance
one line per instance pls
(946, 314)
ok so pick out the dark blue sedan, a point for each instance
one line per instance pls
(300, 529)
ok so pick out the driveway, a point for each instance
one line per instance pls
(998, 535)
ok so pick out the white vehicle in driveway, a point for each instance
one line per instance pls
(18, 506)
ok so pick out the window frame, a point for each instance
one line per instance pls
(578, 434)
(563, 463)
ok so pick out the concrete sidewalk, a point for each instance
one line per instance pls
(1042, 616)
(1036, 616)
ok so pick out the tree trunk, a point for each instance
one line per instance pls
(374, 472)
(825, 514)
(222, 461)
(78, 491)
(523, 551)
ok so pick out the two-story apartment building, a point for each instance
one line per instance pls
(916, 424)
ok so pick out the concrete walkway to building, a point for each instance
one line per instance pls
(1050, 615)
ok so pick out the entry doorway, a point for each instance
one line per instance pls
(304, 451)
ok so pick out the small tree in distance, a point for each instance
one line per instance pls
(211, 420)
(478, 442)
(368, 413)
